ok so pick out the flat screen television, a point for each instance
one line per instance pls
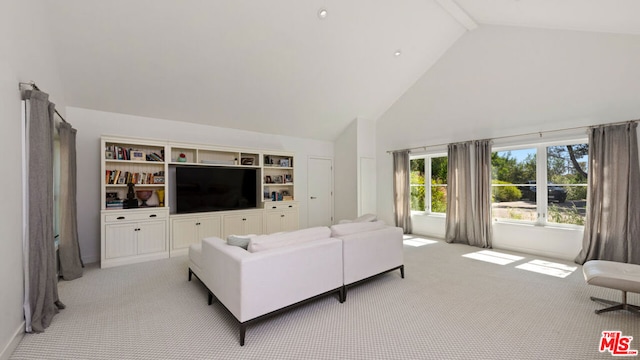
(209, 188)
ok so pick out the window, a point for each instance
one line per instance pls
(520, 176)
(435, 190)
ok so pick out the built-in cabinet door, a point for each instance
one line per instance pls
(253, 224)
(152, 237)
(120, 240)
(289, 220)
(243, 224)
(184, 232)
(273, 222)
(209, 227)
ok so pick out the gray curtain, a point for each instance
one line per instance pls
(482, 219)
(69, 247)
(468, 218)
(43, 299)
(402, 190)
(612, 228)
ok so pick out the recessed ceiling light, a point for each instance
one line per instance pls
(322, 14)
(397, 53)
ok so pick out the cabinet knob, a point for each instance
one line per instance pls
(282, 215)
(290, 206)
(313, 197)
(244, 219)
(120, 218)
(153, 215)
(274, 207)
(197, 223)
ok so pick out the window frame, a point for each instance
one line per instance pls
(428, 186)
(542, 205)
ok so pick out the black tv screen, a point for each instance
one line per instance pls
(202, 188)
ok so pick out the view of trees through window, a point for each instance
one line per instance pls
(436, 191)
(514, 189)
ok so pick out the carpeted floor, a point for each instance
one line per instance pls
(447, 307)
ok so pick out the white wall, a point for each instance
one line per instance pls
(499, 81)
(346, 173)
(92, 124)
(26, 56)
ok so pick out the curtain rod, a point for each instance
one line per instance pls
(425, 147)
(35, 87)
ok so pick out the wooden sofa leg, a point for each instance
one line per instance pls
(342, 294)
(190, 273)
(210, 300)
(402, 271)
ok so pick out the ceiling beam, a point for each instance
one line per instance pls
(458, 13)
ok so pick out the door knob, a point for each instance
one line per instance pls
(313, 197)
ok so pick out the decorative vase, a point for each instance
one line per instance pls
(160, 193)
(182, 158)
(144, 195)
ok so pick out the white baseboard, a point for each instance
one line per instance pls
(13, 344)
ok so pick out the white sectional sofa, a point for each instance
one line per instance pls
(282, 270)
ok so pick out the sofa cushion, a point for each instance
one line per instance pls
(356, 227)
(240, 240)
(266, 242)
(195, 254)
(366, 218)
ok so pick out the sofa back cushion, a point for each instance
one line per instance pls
(240, 240)
(272, 241)
(356, 227)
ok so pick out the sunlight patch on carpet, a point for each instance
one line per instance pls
(415, 242)
(548, 268)
(493, 257)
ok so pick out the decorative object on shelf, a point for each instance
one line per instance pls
(144, 195)
(277, 179)
(247, 161)
(158, 179)
(138, 155)
(267, 179)
(182, 157)
(131, 202)
(108, 154)
(288, 179)
(112, 196)
(284, 162)
(160, 193)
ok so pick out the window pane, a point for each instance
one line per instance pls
(417, 185)
(567, 167)
(513, 185)
(439, 184)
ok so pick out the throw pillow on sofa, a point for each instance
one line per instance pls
(239, 240)
(356, 227)
(272, 241)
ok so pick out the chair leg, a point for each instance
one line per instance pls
(190, 273)
(616, 305)
(402, 271)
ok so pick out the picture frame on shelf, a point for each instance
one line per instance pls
(284, 162)
(138, 155)
(108, 154)
(267, 180)
(288, 179)
(277, 179)
(158, 179)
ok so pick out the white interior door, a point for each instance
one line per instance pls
(320, 186)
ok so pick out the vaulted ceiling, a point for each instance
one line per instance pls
(278, 66)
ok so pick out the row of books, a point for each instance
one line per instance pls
(115, 204)
(126, 177)
(113, 152)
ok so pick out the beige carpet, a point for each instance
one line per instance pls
(447, 307)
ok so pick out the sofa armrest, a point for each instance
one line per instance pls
(253, 284)
(370, 253)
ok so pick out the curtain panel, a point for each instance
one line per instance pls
(612, 227)
(41, 279)
(69, 247)
(402, 190)
(468, 219)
